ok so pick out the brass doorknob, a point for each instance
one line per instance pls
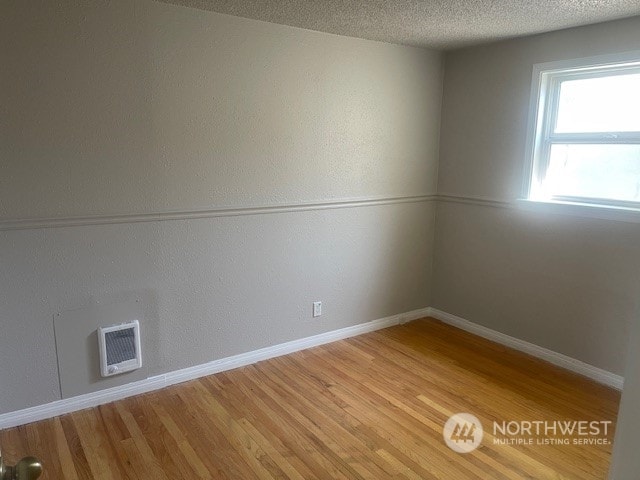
(29, 468)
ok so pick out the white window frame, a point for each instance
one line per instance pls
(545, 95)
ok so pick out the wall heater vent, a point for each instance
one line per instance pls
(119, 347)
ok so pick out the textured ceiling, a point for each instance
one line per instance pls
(440, 24)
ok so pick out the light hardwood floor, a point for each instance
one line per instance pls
(369, 407)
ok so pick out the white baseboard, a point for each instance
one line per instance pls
(568, 363)
(68, 405)
(415, 315)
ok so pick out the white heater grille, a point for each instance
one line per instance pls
(119, 348)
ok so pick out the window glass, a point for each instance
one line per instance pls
(594, 171)
(604, 104)
(585, 141)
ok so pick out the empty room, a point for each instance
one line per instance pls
(319, 239)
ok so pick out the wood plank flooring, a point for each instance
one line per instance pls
(370, 407)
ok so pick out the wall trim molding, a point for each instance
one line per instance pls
(568, 363)
(482, 201)
(68, 405)
(574, 209)
(58, 222)
(565, 208)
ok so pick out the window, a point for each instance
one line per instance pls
(584, 142)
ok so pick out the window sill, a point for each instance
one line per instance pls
(588, 210)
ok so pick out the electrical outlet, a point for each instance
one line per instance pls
(317, 309)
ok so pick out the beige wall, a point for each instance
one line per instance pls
(566, 283)
(625, 462)
(145, 107)
(134, 107)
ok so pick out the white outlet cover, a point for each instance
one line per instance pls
(317, 309)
